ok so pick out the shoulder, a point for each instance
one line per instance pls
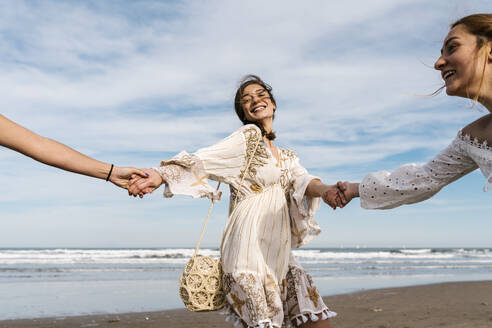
(480, 129)
(250, 130)
(288, 154)
(248, 133)
(244, 135)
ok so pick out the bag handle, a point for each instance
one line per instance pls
(235, 200)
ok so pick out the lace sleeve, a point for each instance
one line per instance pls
(412, 183)
(302, 208)
(188, 174)
(184, 174)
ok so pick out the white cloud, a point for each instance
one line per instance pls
(138, 82)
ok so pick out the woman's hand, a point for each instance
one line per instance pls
(141, 186)
(349, 189)
(332, 196)
(121, 176)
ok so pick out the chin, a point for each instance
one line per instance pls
(449, 92)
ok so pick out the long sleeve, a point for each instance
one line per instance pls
(302, 208)
(412, 183)
(188, 174)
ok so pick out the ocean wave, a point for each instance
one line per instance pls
(88, 256)
(181, 256)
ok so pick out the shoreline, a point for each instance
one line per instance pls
(453, 304)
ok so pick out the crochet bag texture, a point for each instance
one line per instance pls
(200, 284)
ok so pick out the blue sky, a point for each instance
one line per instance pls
(133, 83)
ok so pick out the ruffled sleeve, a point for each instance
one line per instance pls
(188, 174)
(412, 183)
(302, 208)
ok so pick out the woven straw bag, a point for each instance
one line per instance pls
(200, 284)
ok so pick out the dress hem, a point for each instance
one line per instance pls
(299, 319)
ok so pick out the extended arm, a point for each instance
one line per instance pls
(56, 154)
(411, 183)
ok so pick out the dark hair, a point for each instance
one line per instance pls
(246, 81)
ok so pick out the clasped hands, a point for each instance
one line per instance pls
(337, 195)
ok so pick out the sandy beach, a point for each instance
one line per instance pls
(456, 305)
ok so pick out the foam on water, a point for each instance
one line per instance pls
(40, 282)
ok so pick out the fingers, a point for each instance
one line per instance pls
(342, 197)
(330, 198)
(134, 179)
(137, 186)
(139, 172)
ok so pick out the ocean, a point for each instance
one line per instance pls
(64, 282)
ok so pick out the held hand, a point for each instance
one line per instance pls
(349, 189)
(333, 197)
(120, 176)
(139, 186)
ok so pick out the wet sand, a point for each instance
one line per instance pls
(455, 305)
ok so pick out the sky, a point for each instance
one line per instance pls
(135, 82)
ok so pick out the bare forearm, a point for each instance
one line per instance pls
(49, 151)
(59, 155)
(315, 188)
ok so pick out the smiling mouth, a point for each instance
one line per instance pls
(448, 74)
(258, 109)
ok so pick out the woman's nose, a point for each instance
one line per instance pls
(256, 99)
(439, 64)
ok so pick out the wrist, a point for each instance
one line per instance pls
(110, 172)
(354, 187)
(115, 173)
(161, 174)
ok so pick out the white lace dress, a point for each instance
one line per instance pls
(264, 285)
(413, 183)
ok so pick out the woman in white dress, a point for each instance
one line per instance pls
(466, 68)
(264, 285)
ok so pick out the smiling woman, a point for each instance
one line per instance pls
(246, 107)
(273, 200)
(466, 68)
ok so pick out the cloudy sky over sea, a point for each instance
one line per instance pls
(133, 83)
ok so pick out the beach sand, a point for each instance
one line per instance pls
(455, 305)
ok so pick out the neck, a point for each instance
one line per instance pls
(267, 124)
(486, 102)
(486, 92)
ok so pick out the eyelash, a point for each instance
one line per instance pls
(450, 48)
(262, 95)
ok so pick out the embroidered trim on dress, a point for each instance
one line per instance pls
(231, 315)
(475, 142)
(466, 138)
(260, 157)
(313, 316)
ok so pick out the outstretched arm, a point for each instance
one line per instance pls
(56, 154)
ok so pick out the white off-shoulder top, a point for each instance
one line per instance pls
(412, 183)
